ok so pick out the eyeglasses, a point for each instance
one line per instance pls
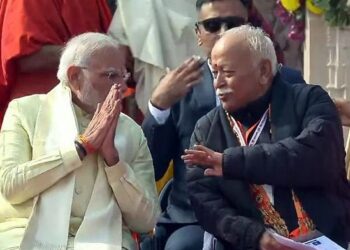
(213, 25)
(111, 74)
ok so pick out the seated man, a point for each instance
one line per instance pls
(183, 96)
(270, 156)
(75, 173)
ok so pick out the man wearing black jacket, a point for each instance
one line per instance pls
(183, 96)
(271, 156)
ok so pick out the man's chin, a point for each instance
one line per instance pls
(229, 107)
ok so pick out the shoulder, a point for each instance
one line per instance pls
(30, 100)
(291, 75)
(309, 92)
(292, 86)
(294, 81)
(311, 101)
(26, 106)
(23, 112)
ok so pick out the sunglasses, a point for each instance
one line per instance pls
(213, 25)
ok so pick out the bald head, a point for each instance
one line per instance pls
(254, 42)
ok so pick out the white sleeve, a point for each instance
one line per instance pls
(159, 115)
(134, 188)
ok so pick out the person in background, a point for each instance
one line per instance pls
(271, 156)
(32, 34)
(183, 96)
(157, 34)
(343, 107)
(76, 173)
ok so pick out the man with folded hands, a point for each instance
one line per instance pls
(76, 173)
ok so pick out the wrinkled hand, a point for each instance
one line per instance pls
(176, 83)
(108, 151)
(105, 117)
(268, 242)
(343, 107)
(204, 157)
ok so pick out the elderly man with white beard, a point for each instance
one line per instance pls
(76, 173)
(271, 156)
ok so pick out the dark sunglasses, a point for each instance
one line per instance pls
(213, 25)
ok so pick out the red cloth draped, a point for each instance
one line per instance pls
(27, 25)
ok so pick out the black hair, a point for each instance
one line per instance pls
(200, 3)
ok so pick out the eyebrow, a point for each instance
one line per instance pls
(110, 69)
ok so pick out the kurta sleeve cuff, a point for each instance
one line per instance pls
(139, 212)
(70, 157)
(159, 115)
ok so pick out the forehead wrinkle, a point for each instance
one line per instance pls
(111, 69)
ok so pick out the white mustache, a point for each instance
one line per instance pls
(223, 91)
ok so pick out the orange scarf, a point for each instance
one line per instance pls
(271, 217)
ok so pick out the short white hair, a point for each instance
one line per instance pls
(259, 43)
(79, 49)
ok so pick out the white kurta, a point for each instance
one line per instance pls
(25, 175)
(160, 34)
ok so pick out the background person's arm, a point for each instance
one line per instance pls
(47, 58)
(343, 107)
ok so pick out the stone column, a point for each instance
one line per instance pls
(327, 57)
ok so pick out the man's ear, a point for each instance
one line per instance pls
(74, 77)
(265, 72)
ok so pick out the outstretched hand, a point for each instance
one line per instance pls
(204, 157)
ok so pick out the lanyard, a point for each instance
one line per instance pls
(271, 216)
(257, 133)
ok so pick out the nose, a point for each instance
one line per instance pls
(223, 28)
(123, 87)
(219, 81)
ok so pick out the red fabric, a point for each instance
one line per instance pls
(27, 25)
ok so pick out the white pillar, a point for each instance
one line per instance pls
(327, 57)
